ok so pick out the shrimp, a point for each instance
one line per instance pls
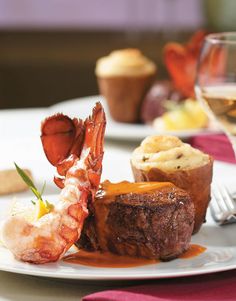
(76, 149)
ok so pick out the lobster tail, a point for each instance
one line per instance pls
(61, 136)
(64, 140)
(94, 140)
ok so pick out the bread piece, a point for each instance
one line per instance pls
(11, 182)
(167, 158)
(152, 220)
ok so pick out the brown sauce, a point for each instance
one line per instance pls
(108, 189)
(194, 250)
(106, 195)
(106, 260)
(109, 260)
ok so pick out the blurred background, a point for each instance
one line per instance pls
(48, 48)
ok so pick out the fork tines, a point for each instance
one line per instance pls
(222, 205)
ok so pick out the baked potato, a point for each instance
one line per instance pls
(167, 158)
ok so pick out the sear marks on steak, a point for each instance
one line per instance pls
(157, 224)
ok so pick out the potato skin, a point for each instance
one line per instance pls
(196, 181)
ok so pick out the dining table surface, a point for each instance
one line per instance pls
(20, 143)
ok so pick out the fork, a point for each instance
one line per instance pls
(222, 205)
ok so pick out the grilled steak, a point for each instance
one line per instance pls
(155, 220)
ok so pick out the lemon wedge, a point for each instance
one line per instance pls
(177, 120)
(196, 112)
(187, 115)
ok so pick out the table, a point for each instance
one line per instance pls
(26, 288)
(20, 142)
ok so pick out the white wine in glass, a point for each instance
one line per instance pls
(216, 81)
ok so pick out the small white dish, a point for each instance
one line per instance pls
(82, 107)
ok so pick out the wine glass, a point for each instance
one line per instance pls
(215, 83)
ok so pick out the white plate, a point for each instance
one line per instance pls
(220, 242)
(82, 107)
(220, 255)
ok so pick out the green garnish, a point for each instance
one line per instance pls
(33, 188)
(43, 188)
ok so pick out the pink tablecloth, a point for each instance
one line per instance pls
(218, 146)
(212, 287)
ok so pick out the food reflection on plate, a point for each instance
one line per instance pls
(147, 219)
(127, 79)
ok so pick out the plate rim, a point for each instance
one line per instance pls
(112, 276)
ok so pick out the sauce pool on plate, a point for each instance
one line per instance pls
(106, 260)
(109, 260)
(194, 250)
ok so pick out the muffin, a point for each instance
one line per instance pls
(168, 159)
(124, 76)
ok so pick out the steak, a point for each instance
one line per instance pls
(143, 220)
